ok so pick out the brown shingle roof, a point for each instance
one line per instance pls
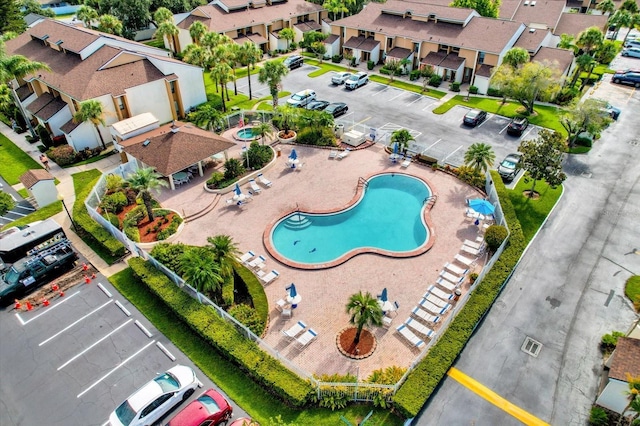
(170, 152)
(574, 23)
(73, 38)
(308, 26)
(69, 126)
(34, 176)
(564, 58)
(399, 53)
(452, 61)
(508, 9)
(433, 58)
(424, 9)
(484, 70)
(531, 41)
(545, 12)
(51, 109)
(626, 359)
(354, 42)
(39, 103)
(332, 38)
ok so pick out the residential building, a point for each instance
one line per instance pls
(127, 77)
(623, 365)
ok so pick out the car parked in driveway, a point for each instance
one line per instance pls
(294, 61)
(155, 399)
(302, 98)
(517, 126)
(317, 105)
(508, 168)
(336, 109)
(210, 409)
(340, 77)
(474, 117)
(356, 80)
(629, 77)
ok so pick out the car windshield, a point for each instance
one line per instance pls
(297, 97)
(209, 404)
(167, 383)
(353, 78)
(509, 163)
(125, 413)
(473, 114)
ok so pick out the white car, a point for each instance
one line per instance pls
(633, 52)
(301, 99)
(152, 401)
(356, 80)
(340, 77)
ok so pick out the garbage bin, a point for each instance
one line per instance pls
(339, 130)
(278, 152)
(456, 295)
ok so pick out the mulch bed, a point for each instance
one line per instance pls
(365, 347)
(145, 224)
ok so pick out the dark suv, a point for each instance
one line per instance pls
(293, 62)
(517, 126)
(629, 77)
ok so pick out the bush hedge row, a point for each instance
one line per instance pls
(224, 337)
(91, 229)
(424, 379)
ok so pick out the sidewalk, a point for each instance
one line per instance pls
(65, 189)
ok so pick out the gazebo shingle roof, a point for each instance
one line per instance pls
(626, 359)
(31, 177)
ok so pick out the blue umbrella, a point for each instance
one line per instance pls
(237, 190)
(395, 148)
(481, 206)
(292, 291)
(293, 154)
(383, 296)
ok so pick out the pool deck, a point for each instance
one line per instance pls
(325, 184)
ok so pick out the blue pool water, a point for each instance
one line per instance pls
(245, 134)
(388, 217)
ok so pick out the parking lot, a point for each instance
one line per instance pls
(21, 209)
(73, 362)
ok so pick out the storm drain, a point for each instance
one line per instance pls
(634, 142)
(531, 347)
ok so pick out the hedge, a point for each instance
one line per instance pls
(89, 228)
(423, 380)
(256, 291)
(224, 337)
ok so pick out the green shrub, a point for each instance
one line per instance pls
(6, 202)
(62, 155)
(435, 80)
(112, 218)
(114, 203)
(318, 136)
(248, 316)
(215, 179)
(426, 376)
(169, 254)
(370, 65)
(598, 417)
(414, 75)
(255, 290)
(384, 71)
(224, 337)
(567, 95)
(45, 136)
(494, 236)
(233, 168)
(114, 182)
(132, 232)
(609, 341)
(135, 215)
(32, 139)
(336, 59)
(454, 86)
(257, 156)
(427, 71)
(473, 90)
(494, 92)
(585, 139)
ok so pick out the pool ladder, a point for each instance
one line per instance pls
(362, 182)
(297, 221)
(430, 201)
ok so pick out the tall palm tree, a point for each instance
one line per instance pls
(634, 22)
(272, 74)
(402, 137)
(197, 30)
(93, 111)
(263, 130)
(589, 66)
(365, 311)
(348, 5)
(287, 34)
(86, 14)
(334, 7)
(582, 62)
(169, 30)
(567, 41)
(228, 53)
(249, 54)
(110, 24)
(225, 251)
(516, 57)
(144, 181)
(221, 73)
(590, 39)
(480, 156)
(162, 15)
(199, 268)
(207, 117)
(196, 55)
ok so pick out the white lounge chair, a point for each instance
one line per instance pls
(245, 257)
(435, 300)
(257, 263)
(424, 315)
(343, 154)
(473, 244)
(470, 250)
(270, 277)
(281, 304)
(422, 329)
(439, 293)
(306, 338)
(447, 285)
(451, 277)
(333, 153)
(464, 260)
(294, 330)
(455, 269)
(254, 186)
(408, 334)
(263, 180)
(406, 162)
(430, 307)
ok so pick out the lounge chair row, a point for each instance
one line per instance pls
(334, 153)
(301, 334)
(258, 263)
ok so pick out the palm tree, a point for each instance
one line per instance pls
(583, 61)
(365, 311)
(144, 181)
(197, 30)
(162, 15)
(196, 55)
(208, 117)
(169, 30)
(221, 73)
(516, 57)
(86, 14)
(567, 41)
(480, 156)
(225, 251)
(348, 4)
(263, 130)
(110, 24)
(249, 54)
(199, 268)
(589, 66)
(93, 111)
(287, 34)
(334, 7)
(607, 7)
(228, 53)
(590, 39)
(402, 137)
(634, 22)
(272, 74)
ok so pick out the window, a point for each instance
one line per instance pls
(120, 103)
(172, 84)
(455, 49)
(443, 48)
(481, 57)
(416, 47)
(389, 43)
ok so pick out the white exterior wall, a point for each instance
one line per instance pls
(333, 48)
(191, 82)
(614, 396)
(151, 97)
(184, 38)
(482, 83)
(375, 55)
(83, 136)
(44, 192)
(59, 119)
(326, 27)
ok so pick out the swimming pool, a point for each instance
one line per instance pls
(245, 134)
(387, 218)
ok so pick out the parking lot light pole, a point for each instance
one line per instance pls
(73, 224)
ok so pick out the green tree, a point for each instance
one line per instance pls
(134, 14)
(588, 116)
(87, 15)
(248, 55)
(630, 6)
(402, 137)
(567, 41)
(225, 251)
(6, 100)
(208, 117)
(582, 62)
(287, 34)
(542, 159)
(263, 130)
(334, 7)
(621, 18)
(92, 111)
(110, 24)
(480, 156)
(222, 73)
(169, 30)
(6, 202)
(607, 7)
(589, 40)
(144, 181)
(161, 15)
(516, 57)
(487, 8)
(32, 6)
(393, 65)
(199, 268)
(607, 52)
(197, 30)
(364, 311)
(272, 74)
(632, 23)
(196, 55)
(11, 19)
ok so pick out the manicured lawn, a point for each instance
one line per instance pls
(532, 212)
(23, 193)
(155, 43)
(15, 162)
(546, 116)
(258, 403)
(40, 214)
(632, 290)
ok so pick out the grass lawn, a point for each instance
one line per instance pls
(155, 43)
(532, 213)
(546, 116)
(258, 403)
(24, 193)
(40, 214)
(632, 290)
(15, 162)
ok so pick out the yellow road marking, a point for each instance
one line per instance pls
(489, 395)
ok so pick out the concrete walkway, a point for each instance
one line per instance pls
(65, 188)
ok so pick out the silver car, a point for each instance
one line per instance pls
(633, 52)
(340, 77)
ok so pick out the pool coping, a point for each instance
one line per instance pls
(266, 236)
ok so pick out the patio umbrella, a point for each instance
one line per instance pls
(481, 206)
(238, 195)
(383, 296)
(292, 295)
(395, 148)
(293, 154)
(237, 190)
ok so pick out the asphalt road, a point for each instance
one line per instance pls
(73, 362)
(21, 209)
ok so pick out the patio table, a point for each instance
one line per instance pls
(180, 176)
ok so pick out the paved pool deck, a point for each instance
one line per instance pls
(321, 184)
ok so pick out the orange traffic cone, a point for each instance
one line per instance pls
(93, 276)
(85, 267)
(45, 302)
(87, 280)
(17, 305)
(61, 294)
(29, 306)
(55, 287)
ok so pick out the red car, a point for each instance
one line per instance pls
(244, 422)
(210, 409)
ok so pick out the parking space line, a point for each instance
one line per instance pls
(503, 129)
(420, 97)
(488, 118)
(143, 328)
(381, 91)
(122, 308)
(529, 131)
(96, 383)
(23, 322)
(75, 323)
(397, 96)
(165, 351)
(104, 290)
(94, 344)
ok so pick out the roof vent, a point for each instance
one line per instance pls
(532, 30)
(526, 3)
(146, 142)
(533, 3)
